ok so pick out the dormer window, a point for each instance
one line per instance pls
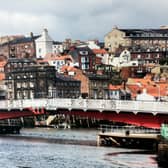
(13, 49)
(26, 46)
(83, 52)
(139, 56)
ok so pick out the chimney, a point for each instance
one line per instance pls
(31, 35)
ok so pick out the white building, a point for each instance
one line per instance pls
(145, 96)
(43, 44)
(58, 62)
(92, 44)
(57, 47)
(123, 60)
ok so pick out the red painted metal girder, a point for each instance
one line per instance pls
(140, 119)
(23, 113)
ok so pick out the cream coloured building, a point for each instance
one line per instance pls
(115, 38)
(149, 39)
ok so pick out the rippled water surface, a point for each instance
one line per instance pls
(29, 150)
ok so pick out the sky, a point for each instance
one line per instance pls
(79, 19)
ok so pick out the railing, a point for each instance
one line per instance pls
(130, 129)
(10, 122)
(88, 104)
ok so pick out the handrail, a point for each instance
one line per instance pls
(132, 129)
(88, 104)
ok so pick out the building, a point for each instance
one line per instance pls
(98, 86)
(44, 44)
(18, 47)
(40, 81)
(57, 47)
(101, 55)
(67, 87)
(84, 58)
(93, 86)
(2, 81)
(16, 63)
(123, 59)
(30, 82)
(118, 92)
(156, 89)
(114, 91)
(78, 74)
(147, 38)
(23, 47)
(56, 60)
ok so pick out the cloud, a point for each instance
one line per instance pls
(79, 19)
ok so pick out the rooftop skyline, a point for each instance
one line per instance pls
(79, 19)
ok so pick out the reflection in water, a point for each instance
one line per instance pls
(52, 148)
(137, 159)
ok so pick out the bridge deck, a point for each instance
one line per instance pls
(153, 107)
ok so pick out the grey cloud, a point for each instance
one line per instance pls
(79, 19)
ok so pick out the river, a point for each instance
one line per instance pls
(55, 148)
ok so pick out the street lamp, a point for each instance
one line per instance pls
(158, 86)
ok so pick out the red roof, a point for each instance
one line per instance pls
(153, 88)
(115, 87)
(99, 51)
(55, 58)
(2, 76)
(2, 63)
(66, 68)
(134, 88)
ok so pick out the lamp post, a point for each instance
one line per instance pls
(158, 86)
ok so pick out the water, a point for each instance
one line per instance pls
(30, 149)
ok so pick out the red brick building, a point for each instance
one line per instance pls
(20, 47)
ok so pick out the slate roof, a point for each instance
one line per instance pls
(150, 32)
(57, 42)
(63, 78)
(16, 60)
(23, 40)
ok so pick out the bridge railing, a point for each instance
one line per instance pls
(131, 129)
(88, 104)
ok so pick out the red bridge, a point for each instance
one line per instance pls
(141, 113)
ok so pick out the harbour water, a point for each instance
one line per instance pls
(53, 148)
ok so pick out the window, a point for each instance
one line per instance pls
(82, 59)
(139, 56)
(31, 94)
(26, 46)
(31, 84)
(83, 52)
(24, 84)
(10, 86)
(85, 66)
(18, 85)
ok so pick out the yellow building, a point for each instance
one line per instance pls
(148, 39)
